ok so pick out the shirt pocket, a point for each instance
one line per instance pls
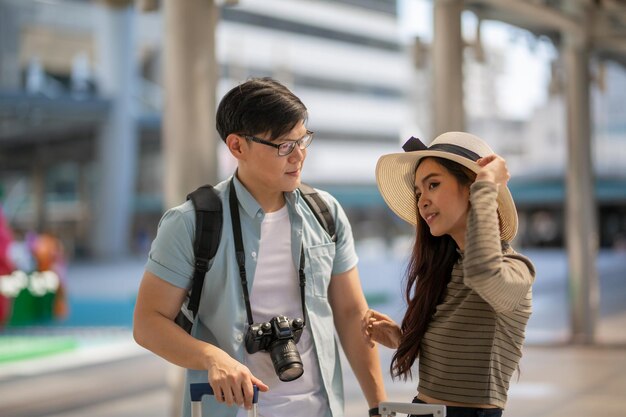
(320, 266)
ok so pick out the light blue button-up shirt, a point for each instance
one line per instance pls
(222, 317)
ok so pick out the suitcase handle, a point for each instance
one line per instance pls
(391, 408)
(198, 390)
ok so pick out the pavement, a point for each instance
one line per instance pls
(554, 381)
(556, 378)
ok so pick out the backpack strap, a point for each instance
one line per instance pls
(208, 208)
(320, 209)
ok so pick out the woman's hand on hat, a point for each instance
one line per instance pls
(378, 327)
(493, 168)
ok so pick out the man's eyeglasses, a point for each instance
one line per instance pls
(285, 148)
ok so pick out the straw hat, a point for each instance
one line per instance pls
(395, 175)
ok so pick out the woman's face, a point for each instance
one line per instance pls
(442, 201)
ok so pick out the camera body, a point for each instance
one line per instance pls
(261, 335)
(279, 337)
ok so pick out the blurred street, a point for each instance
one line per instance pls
(107, 119)
(106, 374)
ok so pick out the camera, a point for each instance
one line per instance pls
(279, 337)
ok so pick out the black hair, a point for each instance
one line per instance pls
(259, 105)
(428, 274)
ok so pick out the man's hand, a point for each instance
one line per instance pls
(232, 381)
(378, 327)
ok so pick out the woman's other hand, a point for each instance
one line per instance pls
(494, 169)
(378, 327)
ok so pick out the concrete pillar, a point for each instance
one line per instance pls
(39, 197)
(581, 216)
(190, 138)
(420, 122)
(448, 111)
(9, 45)
(83, 230)
(117, 141)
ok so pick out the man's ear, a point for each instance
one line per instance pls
(237, 146)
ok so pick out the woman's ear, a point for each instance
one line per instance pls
(237, 145)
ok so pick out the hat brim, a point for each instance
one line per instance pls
(395, 177)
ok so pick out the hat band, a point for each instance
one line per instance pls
(456, 150)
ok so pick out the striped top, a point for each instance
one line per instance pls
(473, 343)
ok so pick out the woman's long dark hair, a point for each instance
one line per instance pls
(428, 275)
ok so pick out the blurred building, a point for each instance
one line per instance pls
(81, 82)
(60, 86)
(540, 168)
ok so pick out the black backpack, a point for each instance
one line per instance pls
(208, 207)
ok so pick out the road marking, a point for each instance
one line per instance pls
(85, 355)
(532, 390)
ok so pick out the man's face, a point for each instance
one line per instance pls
(271, 172)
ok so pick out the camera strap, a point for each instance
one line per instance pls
(241, 256)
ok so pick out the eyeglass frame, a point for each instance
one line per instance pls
(278, 145)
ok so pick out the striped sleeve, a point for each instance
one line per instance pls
(502, 280)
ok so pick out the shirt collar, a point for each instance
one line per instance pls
(292, 198)
(251, 206)
(246, 201)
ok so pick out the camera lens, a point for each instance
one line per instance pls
(286, 360)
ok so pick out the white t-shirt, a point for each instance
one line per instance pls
(276, 291)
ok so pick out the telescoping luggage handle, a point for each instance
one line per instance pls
(199, 390)
(387, 409)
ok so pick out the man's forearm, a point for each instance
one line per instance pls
(349, 306)
(363, 359)
(164, 338)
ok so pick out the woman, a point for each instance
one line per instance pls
(468, 293)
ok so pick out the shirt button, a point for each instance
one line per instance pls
(253, 254)
(259, 215)
(239, 337)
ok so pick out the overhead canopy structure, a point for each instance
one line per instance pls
(601, 22)
(26, 119)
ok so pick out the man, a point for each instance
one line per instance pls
(263, 125)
